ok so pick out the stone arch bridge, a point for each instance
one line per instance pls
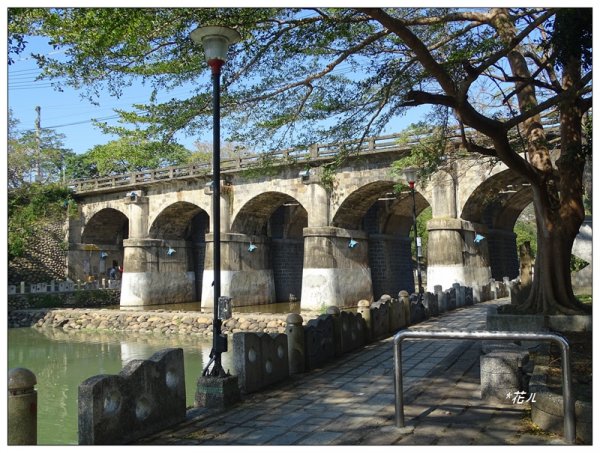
(285, 235)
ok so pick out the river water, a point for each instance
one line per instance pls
(62, 360)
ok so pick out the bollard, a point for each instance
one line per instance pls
(404, 297)
(337, 329)
(364, 309)
(22, 407)
(22, 287)
(295, 334)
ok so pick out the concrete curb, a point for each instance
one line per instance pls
(547, 409)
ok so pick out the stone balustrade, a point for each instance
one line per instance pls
(62, 286)
(261, 359)
(145, 397)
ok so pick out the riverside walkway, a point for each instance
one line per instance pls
(351, 401)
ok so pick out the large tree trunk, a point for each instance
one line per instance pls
(557, 193)
(552, 291)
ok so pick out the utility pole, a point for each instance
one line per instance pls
(38, 140)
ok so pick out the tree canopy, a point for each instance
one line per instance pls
(126, 155)
(303, 75)
(33, 156)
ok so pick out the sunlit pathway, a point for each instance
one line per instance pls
(351, 401)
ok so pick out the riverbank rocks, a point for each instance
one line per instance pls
(164, 322)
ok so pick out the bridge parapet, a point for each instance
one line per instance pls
(315, 153)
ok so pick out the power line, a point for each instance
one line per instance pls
(111, 117)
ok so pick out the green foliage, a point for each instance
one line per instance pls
(422, 219)
(29, 153)
(572, 36)
(585, 298)
(328, 176)
(45, 301)
(428, 146)
(126, 155)
(577, 263)
(526, 231)
(32, 205)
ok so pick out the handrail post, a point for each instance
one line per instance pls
(568, 401)
(398, 387)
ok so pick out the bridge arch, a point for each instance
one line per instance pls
(495, 205)
(253, 217)
(106, 226)
(397, 206)
(386, 215)
(175, 221)
(183, 226)
(277, 221)
(101, 244)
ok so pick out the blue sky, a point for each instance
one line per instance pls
(66, 112)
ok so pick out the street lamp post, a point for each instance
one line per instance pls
(216, 42)
(410, 174)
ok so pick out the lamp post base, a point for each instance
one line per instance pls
(217, 392)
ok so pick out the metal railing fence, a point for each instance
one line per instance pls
(568, 400)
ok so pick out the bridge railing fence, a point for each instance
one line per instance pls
(380, 144)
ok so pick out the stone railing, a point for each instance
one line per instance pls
(62, 286)
(145, 397)
(260, 359)
(318, 152)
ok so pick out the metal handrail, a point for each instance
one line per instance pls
(568, 401)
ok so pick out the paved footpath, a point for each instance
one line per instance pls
(351, 401)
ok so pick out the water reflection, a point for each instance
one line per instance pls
(62, 360)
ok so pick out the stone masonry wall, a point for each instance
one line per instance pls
(44, 259)
(287, 257)
(166, 323)
(389, 261)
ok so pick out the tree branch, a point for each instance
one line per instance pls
(494, 58)
(330, 67)
(551, 102)
(415, 98)
(423, 54)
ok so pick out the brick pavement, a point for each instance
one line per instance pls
(351, 401)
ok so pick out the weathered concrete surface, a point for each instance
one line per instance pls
(246, 276)
(547, 409)
(217, 392)
(453, 256)
(334, 273)
(538, 323)
(152, 288)
(145, 397)
(152, 276)
(502, 373)
(260, 359)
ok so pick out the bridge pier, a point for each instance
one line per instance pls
(335, 273)
(154, 274)
(453, 256)
(246, 274)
